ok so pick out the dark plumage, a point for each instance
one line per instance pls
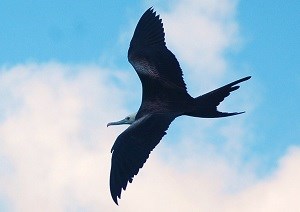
(164, 98)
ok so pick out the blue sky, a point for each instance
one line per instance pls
(73, 33)
(49, 50)
(272, 51)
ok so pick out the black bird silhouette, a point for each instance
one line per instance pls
(164, 98)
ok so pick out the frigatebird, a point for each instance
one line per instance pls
(164, 98)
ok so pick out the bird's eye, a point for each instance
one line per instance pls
(127, 118)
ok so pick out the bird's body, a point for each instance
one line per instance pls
(164, 98)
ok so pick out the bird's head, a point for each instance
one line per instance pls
(127, 120)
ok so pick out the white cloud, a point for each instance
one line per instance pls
(54, 135)
(278, 192)
(202, 189)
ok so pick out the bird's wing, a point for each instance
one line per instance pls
(132, 148)
(149, 55)
(212, 99)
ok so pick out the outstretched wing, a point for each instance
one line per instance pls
(132, 148)
(150, 57)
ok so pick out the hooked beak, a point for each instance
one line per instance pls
(123, 121)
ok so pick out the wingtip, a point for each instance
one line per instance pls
(151, 8)
(115, 199)
(153, 12)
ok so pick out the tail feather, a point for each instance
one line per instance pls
(219, 114)
(206, 105)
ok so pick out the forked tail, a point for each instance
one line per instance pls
(206, 105)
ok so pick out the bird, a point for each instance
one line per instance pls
(164, 98)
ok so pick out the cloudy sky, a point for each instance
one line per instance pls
(64, 74)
